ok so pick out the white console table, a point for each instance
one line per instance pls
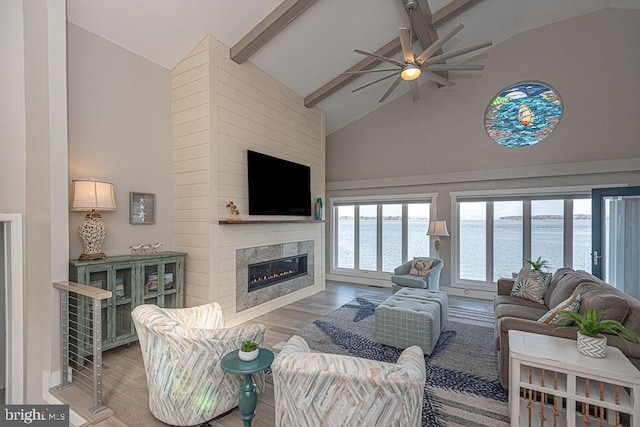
(551, 384)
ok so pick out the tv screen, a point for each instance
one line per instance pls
(277, 186)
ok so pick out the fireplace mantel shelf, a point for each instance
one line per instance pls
(268, 221)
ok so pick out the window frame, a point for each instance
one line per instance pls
(526, 195)
(403, 199)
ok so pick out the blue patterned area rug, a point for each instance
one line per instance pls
(462, 387)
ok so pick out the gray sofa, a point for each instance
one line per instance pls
(402, 279)
(514, 313)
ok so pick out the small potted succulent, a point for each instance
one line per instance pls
(248, 350)
(590, 327)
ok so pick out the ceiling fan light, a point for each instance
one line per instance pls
(410, 72)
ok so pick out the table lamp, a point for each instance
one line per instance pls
(438, 229)
(92, 196)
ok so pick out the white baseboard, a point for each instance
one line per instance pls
(469, 293)
(383, 283)
(52, 379)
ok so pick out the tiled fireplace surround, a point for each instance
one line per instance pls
(246, 256)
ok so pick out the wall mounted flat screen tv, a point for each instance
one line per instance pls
(277, 186)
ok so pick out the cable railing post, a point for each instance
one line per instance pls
(97, 356)
(64, 339)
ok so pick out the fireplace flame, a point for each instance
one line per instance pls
(271, 276)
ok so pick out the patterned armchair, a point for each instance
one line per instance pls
(181, 349)
(318, 389)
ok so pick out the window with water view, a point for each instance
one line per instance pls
(378, 237)
(521, 229)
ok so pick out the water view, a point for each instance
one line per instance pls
(546, 241)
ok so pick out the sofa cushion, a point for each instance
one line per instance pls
(521, 312)
(570, 304)
(604, 299)
(565, 286)
(420, 266)
(531, 285)
(557, 276)
(632, 321)
(508, 299)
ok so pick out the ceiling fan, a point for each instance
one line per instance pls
(424, 64)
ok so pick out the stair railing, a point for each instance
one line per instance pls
(81, 339)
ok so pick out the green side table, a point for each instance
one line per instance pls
(248, 396)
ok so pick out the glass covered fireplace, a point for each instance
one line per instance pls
(268, 273)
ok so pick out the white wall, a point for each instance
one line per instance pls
(221, 109)
(32, 111)
(120, 132)
(439, 143)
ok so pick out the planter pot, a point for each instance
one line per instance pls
(248, 356)
(592, 347)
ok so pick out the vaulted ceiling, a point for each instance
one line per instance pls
(306, 44)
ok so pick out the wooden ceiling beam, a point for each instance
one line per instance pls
(266, 29)
(341, 81)
(444, 15)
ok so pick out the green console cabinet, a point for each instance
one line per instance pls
(133, 280)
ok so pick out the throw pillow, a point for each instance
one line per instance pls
(531, 285)
(570, 304)
(420, 266)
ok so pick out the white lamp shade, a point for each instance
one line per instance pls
(438, 228)
(89, 195)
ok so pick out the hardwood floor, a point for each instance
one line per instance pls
(124, 382)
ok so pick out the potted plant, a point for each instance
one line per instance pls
(539, 264)
(248, 350)
(590, 327)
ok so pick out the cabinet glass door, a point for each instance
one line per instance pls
(122, 298)
(169, 299)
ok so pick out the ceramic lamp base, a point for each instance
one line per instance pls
(92, 231)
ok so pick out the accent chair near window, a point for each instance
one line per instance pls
(402, 276)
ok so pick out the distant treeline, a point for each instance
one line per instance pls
(388, 218)
(519, 217)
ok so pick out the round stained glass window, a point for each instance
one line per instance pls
(523, 114)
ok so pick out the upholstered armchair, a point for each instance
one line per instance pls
(318, 389)
(401, 277)
(181, 350)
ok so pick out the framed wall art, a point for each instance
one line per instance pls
(142, 208)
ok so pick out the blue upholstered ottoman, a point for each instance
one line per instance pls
(425, 294)
(402, 322)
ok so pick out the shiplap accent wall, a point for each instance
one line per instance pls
(220, 110)
(190, 89)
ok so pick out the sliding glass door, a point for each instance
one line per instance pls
(616, 237)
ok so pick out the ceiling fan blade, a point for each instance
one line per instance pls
(346, 73)
(436, 78)
(415, 93)
(451, 67)
(379, 57)
(374, 82)
(438, 44)
(391, 89)
(458, 52)
(405, 42)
